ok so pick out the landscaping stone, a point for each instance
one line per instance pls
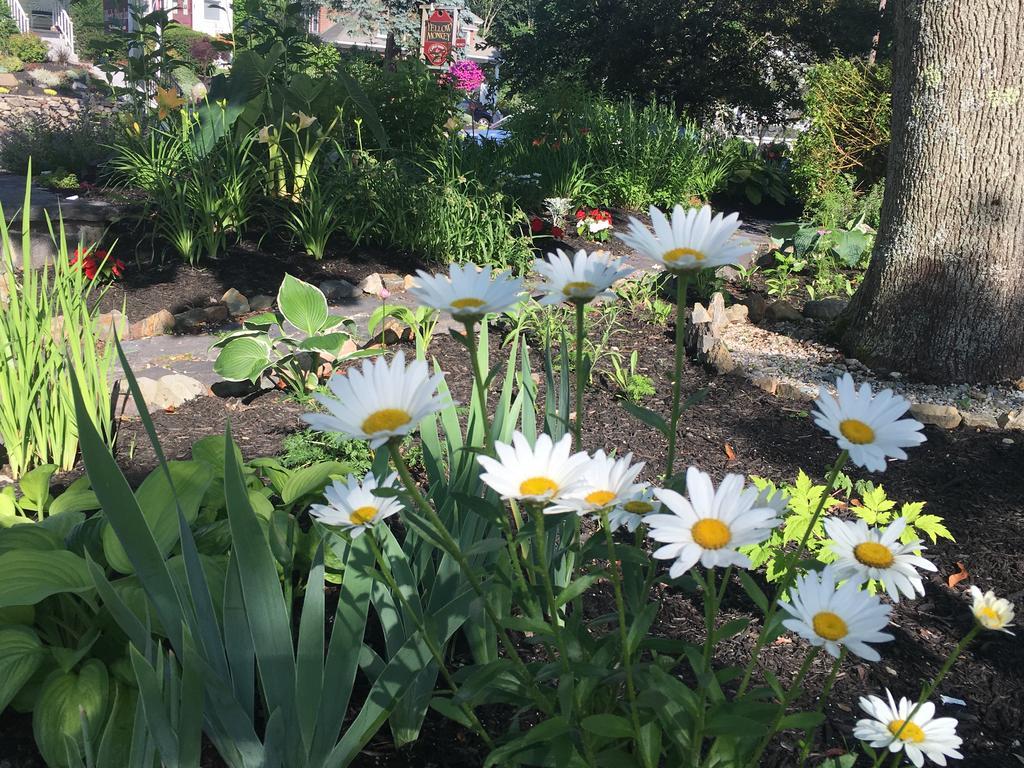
(216, 313)
(261, 303)
(7, 80)
(175, 389)
(408, 282)
(942, 416)
(756, 307)
(190, 319)
(824, 309)
(782, 311)
(236, 302)
(979, 420)
(341, 289)
(109, 322)
(157, 324)
(372, 284)
(737, 313)
(391, 332)
(393, 282)
(1011, 420)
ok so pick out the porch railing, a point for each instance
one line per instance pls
(63, 23)
(20, 17)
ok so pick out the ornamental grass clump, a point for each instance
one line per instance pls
(49, 335)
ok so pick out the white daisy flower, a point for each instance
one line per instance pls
(864, 553)
(605, 482)
(467, 292)
(353, 505)
(581, 278)
(920, 736)
(867, 426)
(710, 525)
(630, 514)
(831, 617)
(992, 612)
(379, 401)
(540, 473)
(690, 241)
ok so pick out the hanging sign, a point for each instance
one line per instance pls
(438, 30)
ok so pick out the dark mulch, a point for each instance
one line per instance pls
(971, 478)
(147, 288)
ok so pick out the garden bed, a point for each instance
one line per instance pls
(971, 479)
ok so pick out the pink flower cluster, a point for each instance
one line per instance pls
(466, 75)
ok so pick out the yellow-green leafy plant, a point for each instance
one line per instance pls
(50, 334)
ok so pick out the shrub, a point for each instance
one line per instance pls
(843, 152)
(193, 48)
(8, 27)
(44, 78)
(27, 48)
(10, 63)
(78, 147)
(92, 41)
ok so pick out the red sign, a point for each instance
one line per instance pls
(437, 37)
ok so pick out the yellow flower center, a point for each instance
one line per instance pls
(911, 731)
(599, 498)
(385, 420)
(638, 507)
(988, 616)
(857, 432)
(830, 626)
(538, 486)
(676, 254)
(710, 533)
(470, 302)
(363, 515)
(873, 554)
(580, 287)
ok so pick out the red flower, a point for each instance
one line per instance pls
(580, 215)
(117, 267)
(557, 232)
(556, 144)
(584, 131)
(536, 225)
(539, 140)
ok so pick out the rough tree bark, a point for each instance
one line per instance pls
(943, 299)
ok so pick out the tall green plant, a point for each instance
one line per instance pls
(49, 338)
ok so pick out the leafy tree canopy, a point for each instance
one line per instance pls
(702, 55)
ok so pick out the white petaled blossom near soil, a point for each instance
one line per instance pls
(688, 242)
(527, 486)
(920, 735)
(583, 278)
(352, 504)
(869, 427)
(468, 292)
(865, 553)
(710, 525)
(835, 617)
(379, 401)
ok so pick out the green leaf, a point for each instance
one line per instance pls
(63, 703)
(545, 731)
(303, 305)
(610, 726)
(331, 343)
(311, 479)
(159, 500)
(21, 653)
(647, 416)
(753, 591)
(35, 487)
(28, 576)
(803, 721)
(576, 588)
(446, 708)
(78, 500)
(243, 359)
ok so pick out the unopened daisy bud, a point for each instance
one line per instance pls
(992, 612)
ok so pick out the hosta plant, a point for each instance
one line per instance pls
(296, 363)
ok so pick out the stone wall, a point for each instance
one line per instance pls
(18, 110)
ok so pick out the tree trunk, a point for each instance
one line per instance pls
(943, 299)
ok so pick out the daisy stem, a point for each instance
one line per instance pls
(620, 607)
(791, 694)
(822, 700)
(790, 571)
(478, 382)
(712, 599)
(452, 548)
(930, 688)
(580, 336)
(428, 637)
(517, 517)
(682, 283)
